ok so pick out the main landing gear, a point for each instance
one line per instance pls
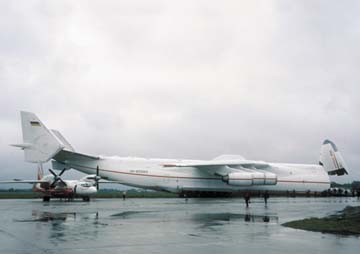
(86, 199)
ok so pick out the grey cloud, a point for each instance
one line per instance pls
(266, 79)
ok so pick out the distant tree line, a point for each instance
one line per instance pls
(355, 185)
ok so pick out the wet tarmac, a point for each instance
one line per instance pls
(169, 226)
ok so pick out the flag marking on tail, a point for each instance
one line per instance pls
(35, 123)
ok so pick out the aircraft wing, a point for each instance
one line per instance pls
(247, 164)
(23, 181)
(101, 182)
(223, 168)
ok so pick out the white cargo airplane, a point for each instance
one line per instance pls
(224, 174)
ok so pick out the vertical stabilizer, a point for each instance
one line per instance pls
(331, 159)
(40, 145)
(63, 141)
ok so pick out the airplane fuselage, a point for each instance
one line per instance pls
(151, 174)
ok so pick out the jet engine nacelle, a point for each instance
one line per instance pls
(85, 189)
(250, 178)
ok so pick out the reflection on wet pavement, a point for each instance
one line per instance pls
(211, 217)
(168, 225)
(45, 216)
(127, 214)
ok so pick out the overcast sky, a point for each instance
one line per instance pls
(269, 80)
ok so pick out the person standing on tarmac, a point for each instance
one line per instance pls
(247, 198)
(266, 197)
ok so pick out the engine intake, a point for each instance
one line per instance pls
(85, 189)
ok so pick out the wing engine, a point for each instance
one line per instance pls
(243, 178)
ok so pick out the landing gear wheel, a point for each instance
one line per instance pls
(86, 199)
(46, 199)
